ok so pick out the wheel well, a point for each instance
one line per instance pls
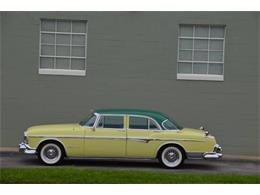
(51, 141)
(171, 144)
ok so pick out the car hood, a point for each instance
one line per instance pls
(52, 127)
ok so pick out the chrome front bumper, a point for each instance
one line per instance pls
(216, 154)
(24, 148)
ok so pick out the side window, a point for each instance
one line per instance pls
(138, 123)
(91, 121)
(111, 122)
(153, 125)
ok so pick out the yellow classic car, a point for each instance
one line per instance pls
(121, 133)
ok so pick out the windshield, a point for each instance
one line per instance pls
(170, 125)
(89, 121)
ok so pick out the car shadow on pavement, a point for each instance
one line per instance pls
(120, 164)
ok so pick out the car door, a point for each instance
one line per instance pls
(139, 143)
(107, 138)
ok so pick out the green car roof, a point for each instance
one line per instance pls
(159, 117)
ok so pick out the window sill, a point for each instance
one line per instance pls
(200, 77)
(62, 72)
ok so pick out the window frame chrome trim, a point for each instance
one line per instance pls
(118, 129)
(96, 114)
(144, 116)
(169, 129)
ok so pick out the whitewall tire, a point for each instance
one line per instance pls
(171, 157)
(51, 154)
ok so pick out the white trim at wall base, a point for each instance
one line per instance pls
(200, 77)
(62, 72)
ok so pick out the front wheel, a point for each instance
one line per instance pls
(171, 157)
(51, 154)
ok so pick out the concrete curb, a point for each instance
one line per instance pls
(226, 157)
(9, 149)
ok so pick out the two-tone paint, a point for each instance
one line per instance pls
(85, 141)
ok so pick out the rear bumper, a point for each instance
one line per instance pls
(216, 154)
(24, 148)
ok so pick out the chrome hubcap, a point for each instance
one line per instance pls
(171, 156)
(50, 152)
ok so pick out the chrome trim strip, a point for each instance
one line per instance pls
(116, 138)
(168, 129)
(99, 117)
(45, 136)
(158, 125)
(104, 138)
(145, 140)
(167, 139)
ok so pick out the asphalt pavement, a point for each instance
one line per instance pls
(244, 167)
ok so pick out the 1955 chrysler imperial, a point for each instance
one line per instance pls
(121, 133)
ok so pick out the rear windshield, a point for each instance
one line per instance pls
(171, 125)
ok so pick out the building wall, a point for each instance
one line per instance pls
(1, 76)
(132, 59)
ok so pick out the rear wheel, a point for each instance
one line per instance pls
(171, 157)
(51, 153)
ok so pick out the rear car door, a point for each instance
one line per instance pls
(139, 144)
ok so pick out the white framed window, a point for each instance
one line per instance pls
(63, 47)
(201, 52)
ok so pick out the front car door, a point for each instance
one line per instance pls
(139, 143)
(107, 138)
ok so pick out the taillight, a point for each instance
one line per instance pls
(206, 132)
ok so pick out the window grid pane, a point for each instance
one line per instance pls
(200, 46)
(63, 44)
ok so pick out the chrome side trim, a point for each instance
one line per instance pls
(144, 139)
(45, 136)
(160, 139)
(104, 138)
(167, 139)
